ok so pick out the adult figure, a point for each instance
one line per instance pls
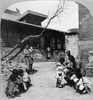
(69, 59)
(71, 70)
(70, 64)
(27, 58)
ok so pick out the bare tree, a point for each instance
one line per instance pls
(22, 43)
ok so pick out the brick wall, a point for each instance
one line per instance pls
(72, 44)
(86, 37)
(85, 23)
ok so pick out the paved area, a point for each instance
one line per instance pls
(43, 80)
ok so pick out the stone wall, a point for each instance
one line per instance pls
(85, 24)
(72, 44)
(85, 33)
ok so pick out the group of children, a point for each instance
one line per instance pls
(68, 72)
(18, 82)
(18, 79)
(72, 73)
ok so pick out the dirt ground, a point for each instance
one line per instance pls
(43, 81)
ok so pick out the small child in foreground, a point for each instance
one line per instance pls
(9, 91)
(60, 73)
(26, 80)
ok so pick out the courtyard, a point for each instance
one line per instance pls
(44, 86)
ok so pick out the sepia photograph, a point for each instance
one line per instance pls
(46, 50)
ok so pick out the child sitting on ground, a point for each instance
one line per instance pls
(83, 86)
(9, 91)
(60, 73)
(26, 80)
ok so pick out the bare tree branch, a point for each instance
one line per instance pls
(59, 10)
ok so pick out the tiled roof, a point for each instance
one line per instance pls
(34, 13)
(10, 16)
(33, 25)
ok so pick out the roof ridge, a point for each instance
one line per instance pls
(32, 12)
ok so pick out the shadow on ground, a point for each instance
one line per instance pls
(34, 71)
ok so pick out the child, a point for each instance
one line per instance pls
(9, 91)
(21, 86)
(26, 80)
(78, 80)
(83, 86)
(60, 73)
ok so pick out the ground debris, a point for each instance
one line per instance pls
(8, 67)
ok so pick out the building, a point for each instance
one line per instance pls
(14, 30)
(32, 17)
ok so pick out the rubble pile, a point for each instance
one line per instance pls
(8, 67)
